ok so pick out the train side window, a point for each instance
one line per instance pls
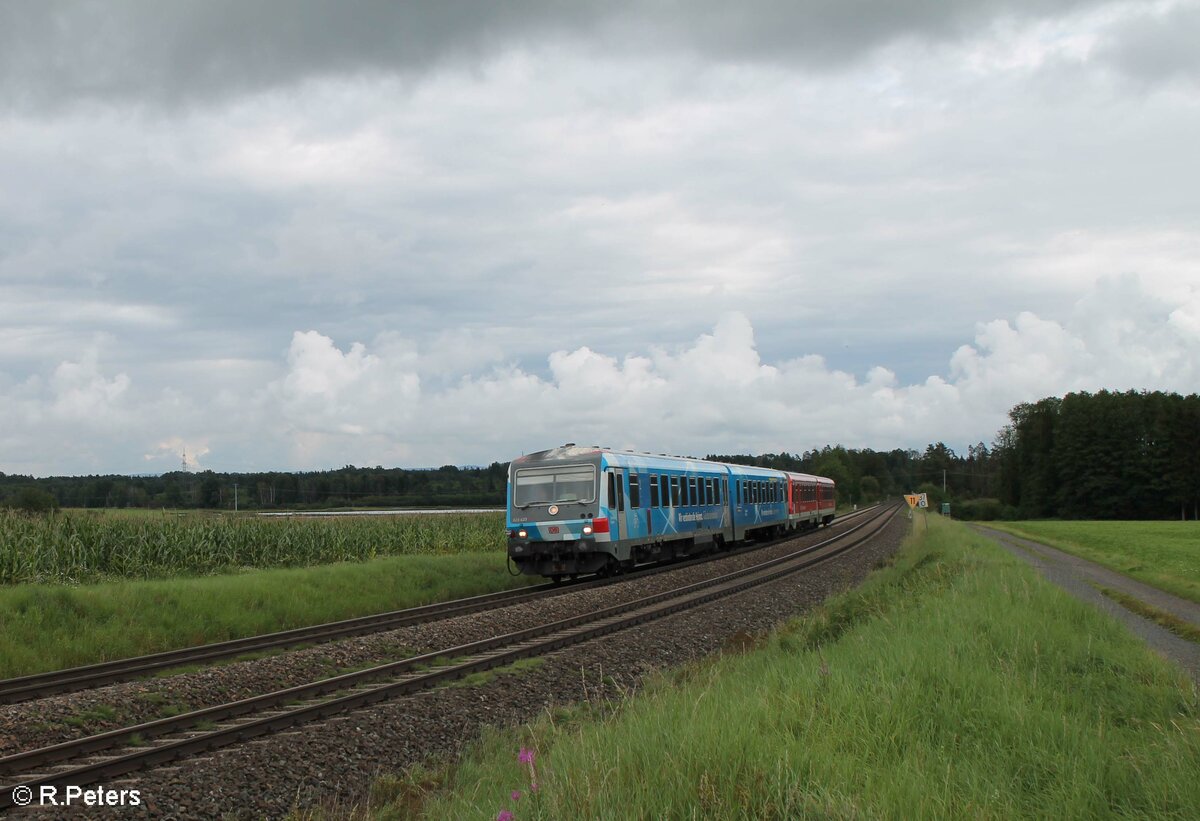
(635, 491)
(664, 490)
(612, 490)
(654, 497)
(674, 491)
(691, 491)
(717, 490)
(620, 492)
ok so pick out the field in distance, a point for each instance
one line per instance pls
(1163, 554)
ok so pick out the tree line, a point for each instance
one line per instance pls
(1129, 455)
(1105, 455)
(1132, 455)
(447, 486)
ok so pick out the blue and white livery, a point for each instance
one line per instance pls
(574, 510)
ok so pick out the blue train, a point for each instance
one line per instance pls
(575, 510)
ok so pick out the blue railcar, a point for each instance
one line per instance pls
(574, 510)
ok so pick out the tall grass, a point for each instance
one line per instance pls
(79, 546)
(955, 684)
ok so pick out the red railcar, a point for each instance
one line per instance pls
(811, 500)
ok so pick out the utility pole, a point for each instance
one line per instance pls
(943, 481)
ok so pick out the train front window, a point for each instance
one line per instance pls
(545, 486)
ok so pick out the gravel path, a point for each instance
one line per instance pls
(1077, 576)
(334, 762)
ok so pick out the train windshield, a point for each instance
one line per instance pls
(544, 486)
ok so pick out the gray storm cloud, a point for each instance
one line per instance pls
(173, 53)
(1158, 48)
(471, 221)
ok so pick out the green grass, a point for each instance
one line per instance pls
(516, 668)
(1165, 555)
(86, 546)
(1175, 624)
(49, 627)
(954, 684)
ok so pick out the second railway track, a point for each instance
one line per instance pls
(77, 762)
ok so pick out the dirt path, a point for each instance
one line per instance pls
(1078, 576)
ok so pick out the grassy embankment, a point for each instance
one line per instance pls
(50, 626)
(954, 684)
(1165, 555)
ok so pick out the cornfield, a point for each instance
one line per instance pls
(81, 546)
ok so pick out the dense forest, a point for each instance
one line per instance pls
(1102, 456)
(1105, 455)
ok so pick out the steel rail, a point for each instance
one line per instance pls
(479, 655)
(39, 685)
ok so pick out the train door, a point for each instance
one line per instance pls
(616, 504)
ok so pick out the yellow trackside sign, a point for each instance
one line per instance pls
(912, 499)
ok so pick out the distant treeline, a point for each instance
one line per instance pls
(1104, 456)
(350, 486)
(866, 475)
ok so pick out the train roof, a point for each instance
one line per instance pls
(808, 477)
(571, 451)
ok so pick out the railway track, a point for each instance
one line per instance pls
(40, 685)
(109, 755)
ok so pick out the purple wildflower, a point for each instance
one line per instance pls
(505, 815)
(533, 787)
(516, 795)
(525, 756)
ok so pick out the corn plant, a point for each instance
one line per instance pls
(84, 546)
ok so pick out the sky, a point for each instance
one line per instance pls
(277, 235)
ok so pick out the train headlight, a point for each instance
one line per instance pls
(587, 530)
(521, 534)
